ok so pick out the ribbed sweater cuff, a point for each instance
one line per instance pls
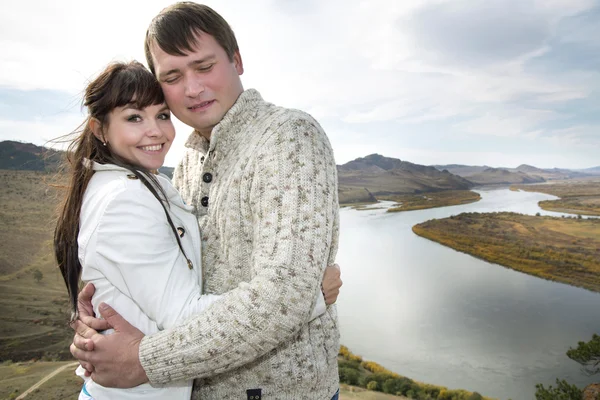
(154, 357)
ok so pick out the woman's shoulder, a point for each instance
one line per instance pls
(119, 188)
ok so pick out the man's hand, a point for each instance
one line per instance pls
(331, 284)
(87, 325)
(114, 358)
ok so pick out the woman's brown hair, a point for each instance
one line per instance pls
(120, 84)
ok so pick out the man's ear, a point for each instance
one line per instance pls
(96, 128)
(237, 62)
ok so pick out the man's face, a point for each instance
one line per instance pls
(201, 86)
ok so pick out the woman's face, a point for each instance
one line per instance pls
(142, 137)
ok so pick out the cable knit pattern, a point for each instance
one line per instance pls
(265, 193)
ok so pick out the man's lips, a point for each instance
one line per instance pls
(201, 106)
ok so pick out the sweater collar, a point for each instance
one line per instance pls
(225, 132)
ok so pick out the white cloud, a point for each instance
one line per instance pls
(401, 63)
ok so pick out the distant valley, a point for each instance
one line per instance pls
(363, 180)
(485, 175)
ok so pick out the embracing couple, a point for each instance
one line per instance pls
(219, 277)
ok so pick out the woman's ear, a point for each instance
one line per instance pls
(96, 128)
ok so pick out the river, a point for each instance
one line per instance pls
(439, 316)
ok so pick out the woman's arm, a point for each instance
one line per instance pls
(137, 252)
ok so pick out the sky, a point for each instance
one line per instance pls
(495, 82)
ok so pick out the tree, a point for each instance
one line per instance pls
(37, 275)
(563, 391)
(588, 355)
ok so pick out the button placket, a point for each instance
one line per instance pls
(207, 178)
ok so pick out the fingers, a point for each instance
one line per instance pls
(84, 301)
(331, 296)
(116, 321)
(83, 329)
(96, 324)
(82, 343)
(82, 356)
(333, 271)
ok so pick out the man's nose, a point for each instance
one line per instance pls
(193, 87)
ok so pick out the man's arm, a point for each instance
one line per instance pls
(119, 364)
(295, 217)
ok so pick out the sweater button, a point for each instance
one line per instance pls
(204, 201)
(207, 177)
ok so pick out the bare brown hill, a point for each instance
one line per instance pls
(376, 175)
(524, 173)
(500, 176)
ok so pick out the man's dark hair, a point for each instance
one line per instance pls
(174, 30)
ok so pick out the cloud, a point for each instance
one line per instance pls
(425, 71)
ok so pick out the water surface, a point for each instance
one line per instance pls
(440, 316)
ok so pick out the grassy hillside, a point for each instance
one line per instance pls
(16, 378)
(576, 197)
(560, 249)
(33, 301)
(27, 156)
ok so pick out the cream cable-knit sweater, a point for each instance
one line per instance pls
(265, 193)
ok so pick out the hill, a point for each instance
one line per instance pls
(549, 174)
(591, 171)
(360, 180)
(28, 157)
(376, 176)
(484, 175)
(462, 170)
(500, 176)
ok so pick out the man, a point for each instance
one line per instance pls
(262, 180)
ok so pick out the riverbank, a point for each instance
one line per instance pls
(558, 249)
(362, 379)
(411, 202)
(421, 201)
(576, 197)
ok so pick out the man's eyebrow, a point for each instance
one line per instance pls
(209, 57)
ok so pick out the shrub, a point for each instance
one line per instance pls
(372, 385)
(349, 376)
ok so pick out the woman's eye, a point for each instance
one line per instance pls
(134, 118)
(164, 116)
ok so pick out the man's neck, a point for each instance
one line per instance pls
(205, 134)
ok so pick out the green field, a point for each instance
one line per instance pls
(566, 250)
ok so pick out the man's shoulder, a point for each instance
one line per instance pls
(283, 115)
(286, 123)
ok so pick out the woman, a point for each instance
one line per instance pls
(123, 226)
